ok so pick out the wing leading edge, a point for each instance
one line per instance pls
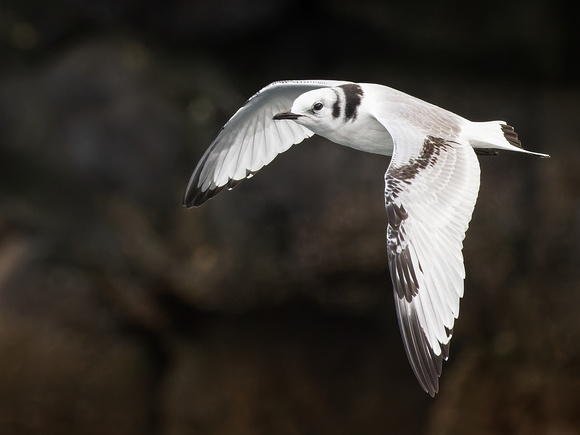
(250, 140)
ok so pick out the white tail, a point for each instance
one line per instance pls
(495, 135)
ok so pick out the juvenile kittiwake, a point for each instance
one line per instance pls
(431, 185)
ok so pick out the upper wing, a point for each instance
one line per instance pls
(250, 140)
(431, 188)
(430, 196)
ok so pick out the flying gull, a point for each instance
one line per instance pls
(431, 185)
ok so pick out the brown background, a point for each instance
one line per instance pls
(269, 310)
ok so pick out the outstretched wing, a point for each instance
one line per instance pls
(430, 195)
(250, 140)
(431, 188)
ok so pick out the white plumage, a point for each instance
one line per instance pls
(431, 185)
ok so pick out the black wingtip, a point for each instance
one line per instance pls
(197, 197)
(426, 364)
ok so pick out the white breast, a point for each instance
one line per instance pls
(364, 133)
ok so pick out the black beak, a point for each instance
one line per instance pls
(286, 115)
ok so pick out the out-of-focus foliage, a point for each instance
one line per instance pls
(269, 310)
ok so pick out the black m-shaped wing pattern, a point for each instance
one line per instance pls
(430, 195)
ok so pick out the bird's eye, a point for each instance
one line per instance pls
(317, 106)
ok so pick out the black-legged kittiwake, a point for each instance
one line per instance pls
(431, 185)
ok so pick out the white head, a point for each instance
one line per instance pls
(319, 110)
(332, 112)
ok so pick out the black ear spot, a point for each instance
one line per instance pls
(317, 106)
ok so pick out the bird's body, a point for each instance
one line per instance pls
(431, 185)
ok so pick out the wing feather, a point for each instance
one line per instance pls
(436, 186)
(250, 140)
(431, 188)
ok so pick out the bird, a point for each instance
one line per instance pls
(431, 185)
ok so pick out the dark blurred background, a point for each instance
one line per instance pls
(269, 310)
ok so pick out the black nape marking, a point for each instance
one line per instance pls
(336, 106)
(353, 94)
(510, 135)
